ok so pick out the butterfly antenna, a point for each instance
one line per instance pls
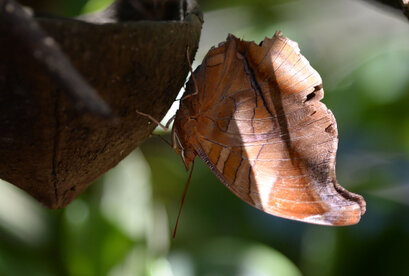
(183, 199)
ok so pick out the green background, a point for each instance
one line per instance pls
(122, 225)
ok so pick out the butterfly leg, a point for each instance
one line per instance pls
(174, 138)
(164, 127)
(170, 121)
(163, 139)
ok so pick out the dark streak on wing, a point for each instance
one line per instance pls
(255, 84)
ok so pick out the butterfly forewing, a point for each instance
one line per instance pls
(260, 127)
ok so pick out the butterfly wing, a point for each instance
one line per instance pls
(264, 133)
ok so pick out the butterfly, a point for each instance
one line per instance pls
(253, 114)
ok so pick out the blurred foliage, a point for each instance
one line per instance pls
(122, 224)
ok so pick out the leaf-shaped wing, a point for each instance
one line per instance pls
(263, 131)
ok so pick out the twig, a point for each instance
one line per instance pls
(47, 52)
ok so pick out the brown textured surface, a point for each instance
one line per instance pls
(258, 123)
(51, 150)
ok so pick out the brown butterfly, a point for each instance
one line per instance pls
(253, 114)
